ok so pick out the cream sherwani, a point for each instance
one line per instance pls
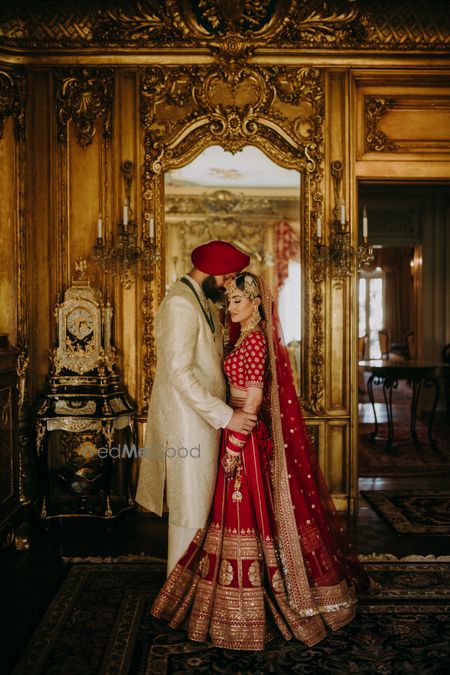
(186, 413)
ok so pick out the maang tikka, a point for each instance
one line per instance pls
(250, 289)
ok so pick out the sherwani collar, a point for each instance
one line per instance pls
(202, 301)
(198, 288)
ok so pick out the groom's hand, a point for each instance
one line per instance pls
(242, 421)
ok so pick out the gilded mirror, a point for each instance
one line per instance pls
(277, 110)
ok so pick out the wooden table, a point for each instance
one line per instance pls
(421, 374)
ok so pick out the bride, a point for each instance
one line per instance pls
(273, 557)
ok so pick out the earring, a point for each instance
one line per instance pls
(256, 316)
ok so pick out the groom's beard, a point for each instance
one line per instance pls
(212, 290)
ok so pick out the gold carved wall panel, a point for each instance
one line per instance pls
(404, 121)
(83, 96)
(280, 110)
(84, 106)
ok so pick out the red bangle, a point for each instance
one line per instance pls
(234, 446)
(239, 436)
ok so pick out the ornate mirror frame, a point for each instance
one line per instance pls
(278, 109)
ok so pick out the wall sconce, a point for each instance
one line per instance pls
(365, 251)
(340, 256)
(121, 256)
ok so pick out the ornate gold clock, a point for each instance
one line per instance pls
(86, 406)
(84, 331)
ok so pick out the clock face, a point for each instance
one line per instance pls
(80, 323)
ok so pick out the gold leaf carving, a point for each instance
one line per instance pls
(375, 108)
(12, 100)
(233, 29)
(83, 95)
(143, 21)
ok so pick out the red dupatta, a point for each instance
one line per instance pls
(302, 500)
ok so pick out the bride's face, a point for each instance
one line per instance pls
(240, 307)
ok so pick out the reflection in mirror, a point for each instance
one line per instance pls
(252, 202)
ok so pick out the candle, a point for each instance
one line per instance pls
(365, 223)
(99, 226)
(342, 213)
(319, 227)
(125, 213)
(151, 227)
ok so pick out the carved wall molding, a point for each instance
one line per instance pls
(186, 109)
(414, 123)
(83, 95)
(232, 29)
(278, 109)
(12, 100)
(153, 289)
(375, 107)
(406, 25)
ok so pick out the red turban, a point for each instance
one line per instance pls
(219, 257)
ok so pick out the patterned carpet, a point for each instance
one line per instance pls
(99, 623)
(413, 511)
(407, 459)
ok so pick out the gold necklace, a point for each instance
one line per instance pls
(245, 332)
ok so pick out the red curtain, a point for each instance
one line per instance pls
(287, 247)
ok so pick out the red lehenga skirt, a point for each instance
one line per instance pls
(229, 587)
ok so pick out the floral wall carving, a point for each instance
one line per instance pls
(83, 96)
(375, 108)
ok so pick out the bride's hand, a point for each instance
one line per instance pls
(242, 422)
(230, 461)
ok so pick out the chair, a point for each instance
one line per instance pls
(385, 343)
(410, 339)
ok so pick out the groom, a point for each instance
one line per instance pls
(187, 409)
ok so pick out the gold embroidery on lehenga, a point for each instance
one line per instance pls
(254, 574)
(203, 566)
(238, 620)
(226, 573)
(213, 539)
(277, 582)
(270, 554)
(248, 544)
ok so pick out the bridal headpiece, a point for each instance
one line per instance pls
(250, 289)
